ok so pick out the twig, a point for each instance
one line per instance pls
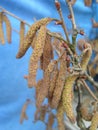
(91, 80)
(7, 12)
(86, 86)
(63, 23)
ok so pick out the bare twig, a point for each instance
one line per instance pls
(63, 23)
(87, 87)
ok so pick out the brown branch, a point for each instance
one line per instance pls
(63, 23)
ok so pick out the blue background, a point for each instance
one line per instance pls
(13, 87)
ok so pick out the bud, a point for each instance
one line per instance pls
(57, 4)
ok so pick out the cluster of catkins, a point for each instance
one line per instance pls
(57, 82)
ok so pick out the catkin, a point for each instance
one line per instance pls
(60, 117)
(34, 41)
(38, 87)
(8, 28)
(35, 56)
(67, 97)
(50, 121)
(86, 56)
(22, 33)
(46, 83)
(60, 82)
(94, 122)
(2, 40)
(47, 53)
(53, 83)
(30, 35)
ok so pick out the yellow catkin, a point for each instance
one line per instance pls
(60, 117)
(47, 53)
(53, 83)
(30, 35)
(86, 56)
(87, 2)
(8, 28)
(34, 41)
(60, 82)
(2, 40)
(67, 97)
(22, 33)
(46, 83)
(35, 56)
(94, 122)
(23, 113)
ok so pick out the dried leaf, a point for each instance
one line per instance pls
(2, 40)
(30, 35)
(35, 57)
(23, 113)
(67, 97)
(94, 122)
(60, 82)
(8, 28)
(46, 83)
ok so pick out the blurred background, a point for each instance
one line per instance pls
(13, 87)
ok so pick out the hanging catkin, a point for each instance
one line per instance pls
(35, 56)
(2, 40)
(94, 122)
(86, 56)
(50, 121)
(30, 35)
(60, 82)
(8, 28)
(60, 116)
(38, 87)
(67, 97)
(47, 53)
(46, 83)
(22, 33)
(53, 82)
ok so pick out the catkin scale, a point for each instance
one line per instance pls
(8, 28)
(67, 97)
(60, 82)
(46, 83)
(94, 122)
(35, 56)
(86, 56)
(60, 117)
(30, 35)
(2, 40)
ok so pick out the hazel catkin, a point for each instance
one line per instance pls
(8, 28)
(94, 122)
(67, 97)
(35, 56)
(2, 40)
